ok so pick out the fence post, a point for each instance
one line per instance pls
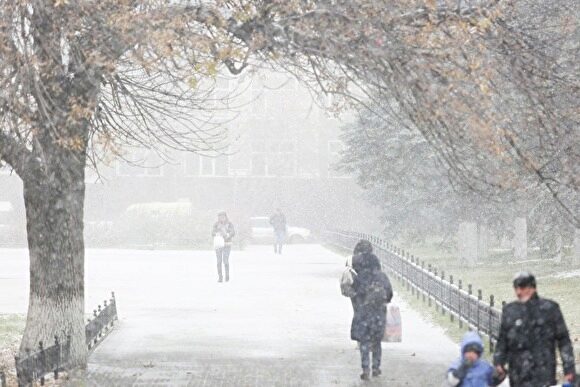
(409, 269)
(443, 293)
(491, 342)
(451, 316)
(437, 293)
(28, 378)
(429, 290)
(59, 356)
(459, 312)
(2, 379)
(479, 300)
(42, 360)
(413, 271)
(423, 279)
(469, 302)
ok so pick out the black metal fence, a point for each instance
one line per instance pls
(46, 360)
(103, 320)
(54, 359)
(425, 281)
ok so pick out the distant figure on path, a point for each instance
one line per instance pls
(531, 329)
(278, 222)
(372, 293)
(470, 370)
(223, 229)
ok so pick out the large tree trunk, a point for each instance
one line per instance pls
(54, 200)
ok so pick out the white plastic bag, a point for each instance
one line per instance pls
(394, 326)
(346, 282)
(218, 242)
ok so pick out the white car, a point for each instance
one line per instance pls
(263, 232)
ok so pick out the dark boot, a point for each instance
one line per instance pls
(366, 375)
(220, 275)
(376, 372)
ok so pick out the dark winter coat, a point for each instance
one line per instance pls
(364, 261)
(528, 337)
(278, 222)
(226, 230)
(373, 292)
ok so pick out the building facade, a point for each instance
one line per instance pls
(281, 151)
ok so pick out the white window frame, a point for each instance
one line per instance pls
(204, 159)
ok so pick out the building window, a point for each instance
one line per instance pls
(206, 166)
(140, 162)
(273, 158)
(197, 165)
(335, 149)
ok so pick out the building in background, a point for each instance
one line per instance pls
(282, 150)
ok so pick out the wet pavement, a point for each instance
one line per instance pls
(280, 321)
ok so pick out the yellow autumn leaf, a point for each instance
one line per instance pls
(193, 82)
(211, 68)
(484, 24)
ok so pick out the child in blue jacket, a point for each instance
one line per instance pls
(470, 370)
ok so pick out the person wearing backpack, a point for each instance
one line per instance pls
(372, 291)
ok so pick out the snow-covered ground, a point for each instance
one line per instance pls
(280, 321)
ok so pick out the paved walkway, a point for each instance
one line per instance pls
(281, 321)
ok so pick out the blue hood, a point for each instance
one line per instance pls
(471, 338)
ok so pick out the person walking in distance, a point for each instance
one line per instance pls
(278, 222)
(223, 232)
(531, 329)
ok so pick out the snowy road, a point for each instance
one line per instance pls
(281, 321)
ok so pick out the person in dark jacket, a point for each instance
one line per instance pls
(531, 329)
(362, 251)
(225, 228)
(278, 222)
(372, 293)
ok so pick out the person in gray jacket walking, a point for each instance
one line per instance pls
(225, 229)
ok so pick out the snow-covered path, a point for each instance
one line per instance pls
(281, 321)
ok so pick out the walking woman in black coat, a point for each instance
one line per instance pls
(372, 293)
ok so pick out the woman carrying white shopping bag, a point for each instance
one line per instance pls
(223, 232)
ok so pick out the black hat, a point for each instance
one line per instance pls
(524, 279)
